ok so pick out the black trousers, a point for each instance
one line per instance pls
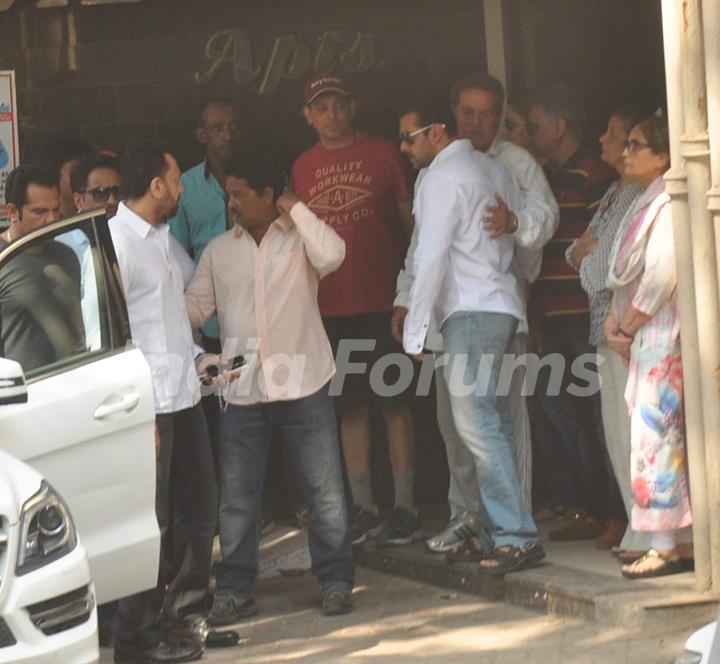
(573, 448)
(185, 459)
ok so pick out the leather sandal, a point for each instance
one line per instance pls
(466, 552)
(628, 557)
(507, 558)
(669, 566)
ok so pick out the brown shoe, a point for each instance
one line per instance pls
(612, 535)
(582, 527)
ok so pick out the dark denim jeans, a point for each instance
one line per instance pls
(308, 430)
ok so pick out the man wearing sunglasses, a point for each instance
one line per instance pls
(463, 274)
(96, 183)
(477, 102)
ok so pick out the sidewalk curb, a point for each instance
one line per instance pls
(551, 588)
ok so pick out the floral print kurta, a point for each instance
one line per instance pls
(654, 392)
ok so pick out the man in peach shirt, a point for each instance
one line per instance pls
(261, 277)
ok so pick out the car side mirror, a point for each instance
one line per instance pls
(13, 388)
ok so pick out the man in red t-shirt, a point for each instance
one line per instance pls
(358, 184)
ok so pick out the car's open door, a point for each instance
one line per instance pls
(88, 424)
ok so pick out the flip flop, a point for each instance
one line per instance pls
(669, 566)
(627, 557)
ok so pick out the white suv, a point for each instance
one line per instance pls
(87, 427)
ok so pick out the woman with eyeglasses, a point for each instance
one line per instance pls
(590, 256)
(643, 327)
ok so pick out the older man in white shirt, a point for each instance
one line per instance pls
(463, 274)
(153, 283)
(262, 277)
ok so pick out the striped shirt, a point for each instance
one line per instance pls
(595, 266)
(579, 186)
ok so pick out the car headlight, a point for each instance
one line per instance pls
(47, 531)
(689, 657)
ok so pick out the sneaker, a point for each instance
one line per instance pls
(459, 530)
(229, 608)
(363, 524)
(336, 600)
(401, 527)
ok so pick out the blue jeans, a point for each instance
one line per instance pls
(308, 430)
(475, 344)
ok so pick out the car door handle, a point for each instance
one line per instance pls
(126, 402)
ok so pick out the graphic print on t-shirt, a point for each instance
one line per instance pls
(338, 188)
(356, 189)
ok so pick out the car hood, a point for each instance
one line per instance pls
(18, 482)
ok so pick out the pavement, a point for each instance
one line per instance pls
(398, 620)
(575, 580)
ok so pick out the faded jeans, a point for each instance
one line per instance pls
(475, 344)
(463, 494)
(308, 430)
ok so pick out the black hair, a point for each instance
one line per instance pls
(212, 101)
(478, 81)
(142, 163)
(520, 105)
(20, 178)
(427, 110)
(260, 169)
(560, 101)
(631, 113)
(80, 174)
(57, 153)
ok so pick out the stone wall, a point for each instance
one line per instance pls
(118, 71)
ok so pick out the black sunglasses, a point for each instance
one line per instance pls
(101, 194)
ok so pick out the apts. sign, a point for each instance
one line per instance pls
(290, 58)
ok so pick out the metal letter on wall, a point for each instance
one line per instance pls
(290, 59)
(229, 47)
(327, 47)
(361, 55)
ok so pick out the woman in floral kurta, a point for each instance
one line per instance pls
(643, 326)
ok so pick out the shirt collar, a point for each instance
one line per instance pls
(283, 222)
(456, 146)
(206, 169)
(134, 221)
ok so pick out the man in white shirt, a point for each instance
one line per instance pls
(477, 103)
(261, 278)
(153, 284)
(462, 273)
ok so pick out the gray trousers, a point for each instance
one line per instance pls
(616, 422)
(463, 494)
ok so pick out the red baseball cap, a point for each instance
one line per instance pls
(322, 83)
